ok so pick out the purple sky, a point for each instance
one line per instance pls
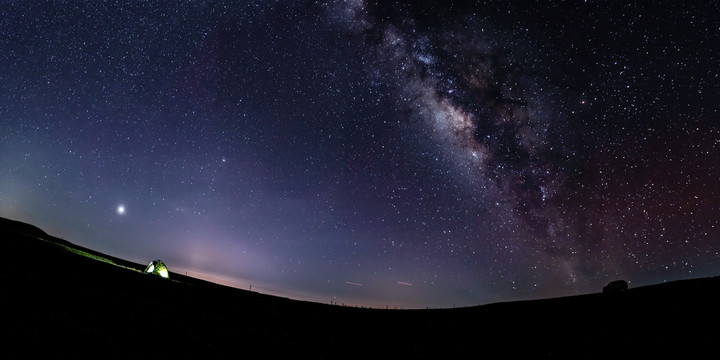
(434, 154)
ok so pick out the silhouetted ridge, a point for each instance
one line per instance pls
(20, 228)
(68, 305)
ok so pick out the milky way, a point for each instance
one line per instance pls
(534, 145)
(493, 119)
(414, 155)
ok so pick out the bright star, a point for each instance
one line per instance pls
(120, 209)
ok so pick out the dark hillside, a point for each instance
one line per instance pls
(60, 303)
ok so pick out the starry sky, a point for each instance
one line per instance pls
(408, 154)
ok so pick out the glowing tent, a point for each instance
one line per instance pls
(157, 267)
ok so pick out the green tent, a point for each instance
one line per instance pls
(157, 267)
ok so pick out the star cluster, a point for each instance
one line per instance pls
(419, 154)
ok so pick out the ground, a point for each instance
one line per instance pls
(65, 303)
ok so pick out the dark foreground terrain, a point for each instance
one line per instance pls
(60, 304)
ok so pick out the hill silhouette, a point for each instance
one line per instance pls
(62, 300)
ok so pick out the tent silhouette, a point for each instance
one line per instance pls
(157, 267)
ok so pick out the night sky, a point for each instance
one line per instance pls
(428, 154)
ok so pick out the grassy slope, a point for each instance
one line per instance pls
(70, 304)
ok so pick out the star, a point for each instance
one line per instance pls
(120, 210)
